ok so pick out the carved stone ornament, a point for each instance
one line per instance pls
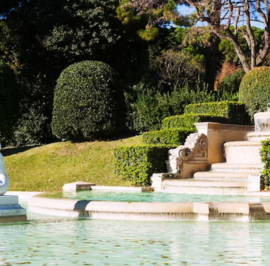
(195, 150)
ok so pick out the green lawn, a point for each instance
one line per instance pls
(49, 167)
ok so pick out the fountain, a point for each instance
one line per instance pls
(10, 210)
(230, 152)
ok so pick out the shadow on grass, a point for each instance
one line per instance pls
(12, 151)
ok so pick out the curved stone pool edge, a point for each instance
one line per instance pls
(151, 211)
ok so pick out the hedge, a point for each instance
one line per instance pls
(139, 163)
(167, 136)
(188, 120)
(234, 111)
(265, 158)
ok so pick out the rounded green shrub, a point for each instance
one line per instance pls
(87, 102)
(254, 89)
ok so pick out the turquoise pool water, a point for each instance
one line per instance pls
(160, 197)
(54, 241)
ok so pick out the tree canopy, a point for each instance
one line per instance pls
(220, 15)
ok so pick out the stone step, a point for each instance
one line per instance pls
(237, 167)
(243, 152)
(193, 186)
(258, 136)
(222, 176)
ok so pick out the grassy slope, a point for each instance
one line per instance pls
(49, 167)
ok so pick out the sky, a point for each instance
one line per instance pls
(188, 10)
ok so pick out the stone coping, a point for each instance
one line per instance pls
(243, 143)
(24, 196)
(159, 211)
(80, 185)
(124, 189)
(219, 126)
(259, 133)
(262, 114)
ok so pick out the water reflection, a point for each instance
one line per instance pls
(51, 241)
(161, 197)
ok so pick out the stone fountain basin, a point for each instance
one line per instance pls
(154, 211)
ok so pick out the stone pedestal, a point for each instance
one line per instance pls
(10, 210)
(79, 185)
(218, 134)
(254, 183)
(262, 122)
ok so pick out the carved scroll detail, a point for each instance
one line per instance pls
(195, 150)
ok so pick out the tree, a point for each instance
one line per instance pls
(221, 15)
(39, 49)
(8, 101)
(179, 68)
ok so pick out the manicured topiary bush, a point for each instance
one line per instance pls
(175, 136)
(9, 103)
(254, 90)
(188, 120)
(138, 163)
(235, 112)
(87, 102)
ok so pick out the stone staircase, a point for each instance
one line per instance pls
(239, 175)
(228, 178)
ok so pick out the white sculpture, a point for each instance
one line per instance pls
(4, 182)
(194, 151)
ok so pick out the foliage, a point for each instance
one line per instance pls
(179, 68)
(151, 107)
(149, 110)
(129, 14)
(226, 69)
(9, 101)
(188, 120)
(220, 23)
(87, 102)
(231, 82)
(75, 30)
(234, 111)
(254, 90)
(148, 34)
(32, 128)
(265, 158)
(227, 48)
(176, 136)
(138, 163)
(88, 28)
(39, 49)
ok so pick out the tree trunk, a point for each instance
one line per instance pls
(211, 72)
(239, 52)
